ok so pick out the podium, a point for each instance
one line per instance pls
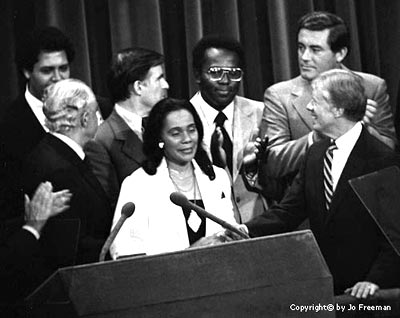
(263, 277)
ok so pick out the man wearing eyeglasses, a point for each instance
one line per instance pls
(230, 121)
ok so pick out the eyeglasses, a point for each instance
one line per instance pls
(216, 73)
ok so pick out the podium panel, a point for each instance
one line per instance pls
(259, 277)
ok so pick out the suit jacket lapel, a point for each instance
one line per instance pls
(131, 144)
(301, 93)
(243, 126)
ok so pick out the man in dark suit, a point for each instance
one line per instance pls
(356, 251)
(71, 116)
(323, 41)
(18, 251)
(136, 82)
(43, 57)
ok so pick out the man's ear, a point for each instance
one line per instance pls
(197, 76)
(136, 88)
(341, 54)
(85, 119)
(338, 111)
(27, 74)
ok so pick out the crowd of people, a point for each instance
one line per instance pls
(70, 160)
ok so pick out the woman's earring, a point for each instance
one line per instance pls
(161, 145)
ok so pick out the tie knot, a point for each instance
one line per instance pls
(332, 145)
(220, 119)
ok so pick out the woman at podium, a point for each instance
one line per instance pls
(175, 161)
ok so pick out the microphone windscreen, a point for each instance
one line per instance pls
(128, 209)
(179, 199)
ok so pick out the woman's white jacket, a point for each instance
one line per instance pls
(158, 225)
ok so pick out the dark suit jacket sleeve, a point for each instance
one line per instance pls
(285, 216)
(19, 269)
(382, 126)
(385, 271)
(285, 155)
(103, 169)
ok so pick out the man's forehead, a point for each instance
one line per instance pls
(52, 57)
(317, 36)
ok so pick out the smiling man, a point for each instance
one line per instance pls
(356, 251)
(43, 58)
(229, 120)
(323, 42)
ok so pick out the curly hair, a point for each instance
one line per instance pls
(219, 42)
(64, 101)
(152, 136)
(47, 39)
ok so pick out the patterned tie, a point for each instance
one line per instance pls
(227, 144)
(328, 183)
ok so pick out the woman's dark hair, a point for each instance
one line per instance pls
(152, 136)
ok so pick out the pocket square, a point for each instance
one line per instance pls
(222, 195)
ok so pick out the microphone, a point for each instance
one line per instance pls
(126, 211)
(182, 201)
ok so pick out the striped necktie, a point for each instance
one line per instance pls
(328, 183)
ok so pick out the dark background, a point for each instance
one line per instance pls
(266, 29)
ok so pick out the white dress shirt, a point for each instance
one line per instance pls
(345, 145)
(133, 120)
(208, 114)
(36, 106)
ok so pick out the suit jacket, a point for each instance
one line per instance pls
(350, 241)
(114, 154)
(20, 132)
(55, 161)
(17, 254)
(246, 120)
(287, 122)
(158, 225)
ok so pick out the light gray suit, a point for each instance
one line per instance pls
(246, 120)
(287, 121)
(114, 154)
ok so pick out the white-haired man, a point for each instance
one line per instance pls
(71, 116)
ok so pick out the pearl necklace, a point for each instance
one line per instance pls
(185, 182)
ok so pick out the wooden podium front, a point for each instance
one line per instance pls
(263, 277)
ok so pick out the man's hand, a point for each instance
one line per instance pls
(220, 141)
(232, 236)
(370, 111)
(45, 204)
(362, 289)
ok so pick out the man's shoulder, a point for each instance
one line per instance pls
(240, 100)
(369, 77)
(286, 87)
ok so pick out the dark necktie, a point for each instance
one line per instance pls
(328, 183)
(144, 123)
(227, 144)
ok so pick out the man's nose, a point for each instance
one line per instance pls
(306, 55)
(56, 76)
(164, 84)
(310, 106)
(224, 79)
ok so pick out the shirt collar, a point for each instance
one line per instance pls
(36, 106)
(133, 120)
(71, 143)
(347, 141)
(210, 112)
